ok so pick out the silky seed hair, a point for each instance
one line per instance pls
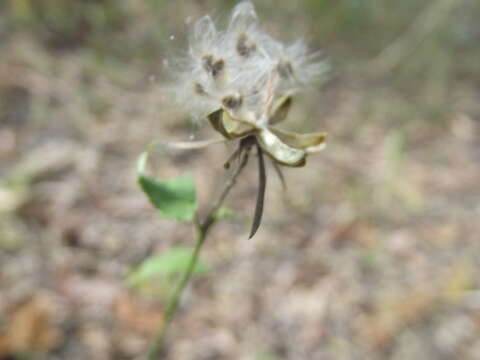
(241, 68)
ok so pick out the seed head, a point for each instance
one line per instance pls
(241, 60)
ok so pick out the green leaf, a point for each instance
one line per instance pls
(172, 262)
(175, 198)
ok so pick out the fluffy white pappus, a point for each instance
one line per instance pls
(297, 66)
(240, 69)
(243, 17)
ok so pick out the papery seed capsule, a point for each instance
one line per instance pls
(232, 102)
(244, 47)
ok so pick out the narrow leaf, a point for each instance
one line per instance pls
(262, 177)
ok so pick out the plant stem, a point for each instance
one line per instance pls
(174, 301)
(201, 230)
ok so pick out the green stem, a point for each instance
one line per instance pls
(174, 301)
(202, 229)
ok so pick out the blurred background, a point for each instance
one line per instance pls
(373, 254)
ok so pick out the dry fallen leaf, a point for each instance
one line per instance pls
(30, 328)
(138, 316)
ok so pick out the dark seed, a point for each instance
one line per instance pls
(285, 69)
(245, 48)
(212, 66)
(232, 102)
(207, 62)
(218, 67)
(199, 89)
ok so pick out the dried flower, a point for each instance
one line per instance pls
(243, 80)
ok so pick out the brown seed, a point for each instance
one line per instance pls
(232, 101)
(218, 67)
(207, 62)
(212, 66)
(199, 89)
(245, 48)
(285, 69)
